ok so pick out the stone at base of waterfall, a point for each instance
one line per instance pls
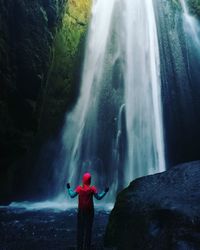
(159, 212)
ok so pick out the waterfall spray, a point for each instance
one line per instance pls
(119, 107)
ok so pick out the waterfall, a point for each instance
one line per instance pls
(115, 129)
(191, 24)
(142, 92)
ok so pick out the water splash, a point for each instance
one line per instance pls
(56, 205)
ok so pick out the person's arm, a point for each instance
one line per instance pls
(71, 193)
(100, 196)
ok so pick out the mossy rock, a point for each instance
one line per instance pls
(64, 74)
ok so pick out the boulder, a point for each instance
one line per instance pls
(160, 212)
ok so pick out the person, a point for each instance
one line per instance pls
(85, 210)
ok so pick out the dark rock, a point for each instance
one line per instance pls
(41, 47)
(51, 229)
(180, 101)
(27, 31)
(194, 7)
(160, 212)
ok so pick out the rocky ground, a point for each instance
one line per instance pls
(22, 229)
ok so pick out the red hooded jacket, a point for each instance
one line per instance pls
(86, 193)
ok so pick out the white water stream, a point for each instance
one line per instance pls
(122, 44)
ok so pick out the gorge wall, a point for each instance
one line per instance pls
(39, 48)
(180, 77)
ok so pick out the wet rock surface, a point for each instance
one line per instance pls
(180, 101)
(41, 45)
(160, 212)
(27, 31)
(45, 229)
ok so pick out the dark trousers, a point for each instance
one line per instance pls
(84, 229)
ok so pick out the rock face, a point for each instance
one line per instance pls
(180, 83)
(159, 212)
(194, 7)
(40, 44)
(27, 31)
(61, 92)
(64, 74)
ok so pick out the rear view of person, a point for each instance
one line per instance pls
(85, 210)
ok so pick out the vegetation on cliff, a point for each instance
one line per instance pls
(64, 74)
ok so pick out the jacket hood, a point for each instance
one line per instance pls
(87, 179)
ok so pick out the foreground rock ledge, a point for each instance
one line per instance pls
(160, 211)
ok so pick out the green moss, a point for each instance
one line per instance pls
(68, 39)
(65, 68)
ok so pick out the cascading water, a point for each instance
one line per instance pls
(191, 24)
(142, 92)
(115, 129)
(192, 32)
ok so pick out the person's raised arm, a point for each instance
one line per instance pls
(71, 193)
(100, 196)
